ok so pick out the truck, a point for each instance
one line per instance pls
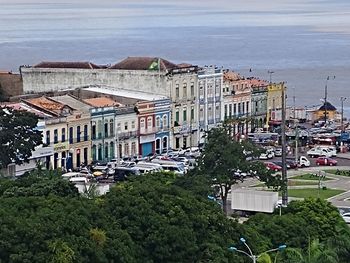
(317, 152)
(253, 200)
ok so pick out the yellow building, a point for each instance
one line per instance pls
(274, 101)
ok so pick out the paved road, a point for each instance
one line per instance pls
(338, 182)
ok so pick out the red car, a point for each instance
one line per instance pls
(273, 166)
(326, 161)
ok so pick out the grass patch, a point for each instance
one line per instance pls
(292, 183)
(313, 192)
(309, 177)
(338, 172)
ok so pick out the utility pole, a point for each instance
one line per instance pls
(342, 99)
(295, 130)
(325, 99)
(284, 148)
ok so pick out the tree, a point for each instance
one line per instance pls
(223, 157)
(18, 136)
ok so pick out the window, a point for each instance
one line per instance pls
(48, 137)
(230, 109)
(78, 133)
(243, 108)
(239, 108)
(126, 126)
(192, 113)
(111, 127)
(126, 149)
(111, 150)
(133, 148)
(63, 139)
(133, 125)
(184, 95)
(106, 150)
(177, 91)
(225, 109)
(94, 152)
(106, 129)
(99, 152)
(234, 109)
(247, 107)
(201, 113)
(71, 135)
(158, 121)
(93, 130)
(177, 115)
(142, 123)
(99, 129)
(165, 143)
(149, 122)
(55, 136)
(119, 127)
(165, 121)
(192, 89)
(184, 111)
(85, 132)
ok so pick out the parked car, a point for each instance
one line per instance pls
(317, 152)
(279, 163)
(292, 164)
(326, 161)
(266, 155)
(278, 152)
(273, 166)
(346, 217)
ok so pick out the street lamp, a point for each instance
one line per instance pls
(253, 257)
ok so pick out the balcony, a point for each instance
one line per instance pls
(126, 135)
(148, 131)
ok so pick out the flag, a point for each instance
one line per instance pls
(154, 65)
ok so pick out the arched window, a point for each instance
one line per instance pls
(149, 122)
(142, 123)
(165, 143)
(165, 121)
(106, 150)
(158, 122)
(111, 127)
(111, 150)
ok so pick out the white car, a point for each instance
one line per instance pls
(317, 152)
(266, 156)
(346, 217)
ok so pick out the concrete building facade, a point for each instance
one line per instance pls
(210, 98)
(258, 103)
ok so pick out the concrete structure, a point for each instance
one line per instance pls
(210, 98)
(79, 131)
(10, 84)
(258, 103)
(237, 103)
(151, 75)
(274, 102)
(127, 132)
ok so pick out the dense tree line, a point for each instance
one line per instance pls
(163, 218)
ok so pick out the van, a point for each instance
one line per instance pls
(331, 149)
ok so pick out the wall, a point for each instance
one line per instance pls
(11, 84)
(48, 80)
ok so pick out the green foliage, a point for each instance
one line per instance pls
(18, 136)
(223, 156)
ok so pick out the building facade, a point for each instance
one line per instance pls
(237, 103)
(274, 102)
(258, 104)
(210, 99)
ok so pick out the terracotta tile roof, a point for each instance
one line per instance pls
(102, 102)
(231, 76)
(254, 82)
(143, 63)
(62, 64)
(47, 105)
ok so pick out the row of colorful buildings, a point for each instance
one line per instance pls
(139, 106)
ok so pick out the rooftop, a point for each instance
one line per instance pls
(102, 102)
(72, 102)
(327, 106)
(65, 64)
(23, 106)
(255, 82)
(139, 95)
(231, 76)
(145, 63)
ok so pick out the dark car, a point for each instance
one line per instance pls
(292, 164)
(280, 164)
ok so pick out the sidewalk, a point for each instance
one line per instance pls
(344, 155)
